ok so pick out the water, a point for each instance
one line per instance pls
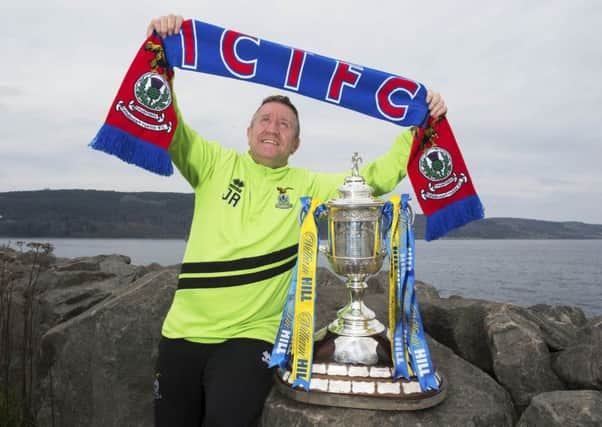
(522, 272)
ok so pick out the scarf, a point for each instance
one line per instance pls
(142, 120)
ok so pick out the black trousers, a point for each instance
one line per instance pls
(211, 384)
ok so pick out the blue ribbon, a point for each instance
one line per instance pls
(400, 337)
(385, 222)
(420, 358)
(281, 352)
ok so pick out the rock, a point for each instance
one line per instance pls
(73, 278)
(379, 283)
(563, 314)
(473, 398)
(564, 408)
(459, 324)
(580, 366)
(559, 324)
(76, 285)
(592, 330)
(141, 270)
(462, 325)
(69, 293)
(426, 292)
(327, 279)
(331, 296)
(77, 264)
(97, 369)
(114, 265)
(61, 305)
(521, 359)
(22, 278)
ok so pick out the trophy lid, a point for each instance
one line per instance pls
(355, 191)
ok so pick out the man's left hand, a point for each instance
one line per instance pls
(436, 104)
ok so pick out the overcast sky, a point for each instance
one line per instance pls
(521, 79)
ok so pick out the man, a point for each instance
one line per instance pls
(218, 334)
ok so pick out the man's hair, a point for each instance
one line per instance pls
(284, 100)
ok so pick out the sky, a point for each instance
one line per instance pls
(521, 80)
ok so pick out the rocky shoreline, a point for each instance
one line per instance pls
(96, 321)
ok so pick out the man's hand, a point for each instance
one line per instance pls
(165, 25)
(436, 104)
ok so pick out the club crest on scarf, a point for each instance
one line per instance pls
(152, 93)
(436, 164)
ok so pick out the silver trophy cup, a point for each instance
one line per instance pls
(352, 364)
(355, 249)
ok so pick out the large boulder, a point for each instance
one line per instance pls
(97, 369)
(580, 365)
(41, 292)
(459, 324)
(559, 324)
(521, 359)
(564, 409)
(75, 285)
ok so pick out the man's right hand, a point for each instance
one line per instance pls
(165, 25)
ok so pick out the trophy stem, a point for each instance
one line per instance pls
(356, 319)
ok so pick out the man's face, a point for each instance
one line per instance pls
(272, 135)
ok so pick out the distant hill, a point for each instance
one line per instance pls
(111, 214)
(91, 214)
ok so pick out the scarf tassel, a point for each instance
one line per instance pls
(133, 150)
(452, 216)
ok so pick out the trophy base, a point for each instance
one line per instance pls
(359, 385)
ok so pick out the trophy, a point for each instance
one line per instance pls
(352, 362)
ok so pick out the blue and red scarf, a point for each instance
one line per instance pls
(142, 119)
